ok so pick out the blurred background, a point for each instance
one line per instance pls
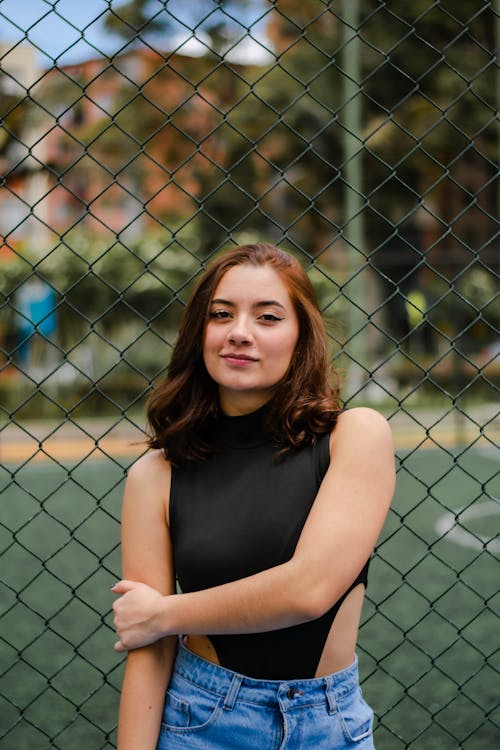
(137, 140)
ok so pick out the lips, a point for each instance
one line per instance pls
(236, 358)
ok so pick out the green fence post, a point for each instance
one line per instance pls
(353, 225)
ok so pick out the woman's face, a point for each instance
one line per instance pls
(250, 336)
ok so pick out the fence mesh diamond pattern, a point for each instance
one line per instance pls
(139, 138)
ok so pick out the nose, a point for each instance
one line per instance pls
(240, 332)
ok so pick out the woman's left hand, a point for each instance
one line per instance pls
(137, 615)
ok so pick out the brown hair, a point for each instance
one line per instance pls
(305, 404)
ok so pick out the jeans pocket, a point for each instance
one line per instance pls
(176, 712)
(356, 716)
(190, 711)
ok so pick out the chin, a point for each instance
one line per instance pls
(241, 389)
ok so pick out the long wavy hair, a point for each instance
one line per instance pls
(305, 404)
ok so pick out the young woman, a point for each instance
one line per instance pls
(265, 500)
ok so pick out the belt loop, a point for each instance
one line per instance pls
(232, 693)
(330, 697)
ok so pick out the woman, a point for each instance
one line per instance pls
(266, 500)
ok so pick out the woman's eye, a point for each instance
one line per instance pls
(219, 314)
(270, 317)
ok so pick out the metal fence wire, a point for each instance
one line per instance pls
(138, 139)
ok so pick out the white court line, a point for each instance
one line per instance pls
(448, 525)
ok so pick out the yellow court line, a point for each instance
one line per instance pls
(74, 449)
(119, 447)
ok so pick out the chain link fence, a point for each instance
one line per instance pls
(138, 139)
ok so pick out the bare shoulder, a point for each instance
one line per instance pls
(363, 416)
(152, 461)
(362, 426)
(150, 471)
(361, 448)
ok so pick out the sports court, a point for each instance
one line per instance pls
(428, 644)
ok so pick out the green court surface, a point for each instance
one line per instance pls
(428, 650)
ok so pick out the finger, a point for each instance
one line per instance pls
(119, 646)
(123, 586)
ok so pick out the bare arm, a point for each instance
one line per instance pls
(146, 557)
(344, 523)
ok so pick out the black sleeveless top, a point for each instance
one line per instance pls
(239, 512)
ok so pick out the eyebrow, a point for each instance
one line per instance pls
(260, 303)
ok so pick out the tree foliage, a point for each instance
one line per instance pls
(133, 19)
(268, 156)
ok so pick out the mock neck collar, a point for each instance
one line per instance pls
(245, 431)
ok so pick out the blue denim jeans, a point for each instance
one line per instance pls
(208, 707)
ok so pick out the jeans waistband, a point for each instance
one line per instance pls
(287, 693)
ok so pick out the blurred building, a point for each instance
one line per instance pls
(22, 168)
(112, 145)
